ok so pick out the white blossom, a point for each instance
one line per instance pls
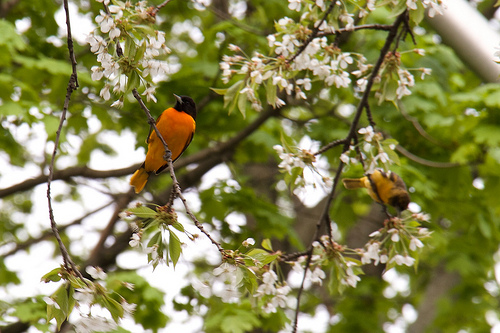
(279, 300)
(92, 324)
(367, 132)
(105, 94)
(269, 308)
(127, 307)
(248, 242)
(224, 268)
(149, 92)
(84, 295)
(117, 104)
(97, 44)
(372, 252)
(105, 21)
(97, 73)
(294, 5)
(348, 19)
(305, 83)
(350, 278)
(317, 275)
(344, 60)
(403, 260)
(96, 272)
(411, 4)
(415, 243)
(394, 234)
(321, 4)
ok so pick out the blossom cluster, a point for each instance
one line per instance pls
(156, 226)
(272, 292)
(302, 55)
(87, 295)
(294, 161)
(139, 59)
(329, 254)
(397, 243)
(374, 150)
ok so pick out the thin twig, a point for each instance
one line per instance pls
(423, 161)
(329, 146)
(369, 116)
(301, 289)
(418, 126)
(69, 265)
(160, 6)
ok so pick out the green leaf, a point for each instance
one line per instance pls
(10, 38)
(231, 96)
(114, 308)
(266, 244)
(484, 227)
(270, 91)
(12, 108)
(389, 91)
(53, 275)
(174, 246)
(64, 305)
(492, 100)
(242, 321)
(142, 211)
(30, 311)
(130, 47)
(219, 91)
(391, 153)
(179, 226)
(140, 52)
(249, 280)
(51, 66)
(155, 239)
(134, 80)
(487, 134)
(242, 104)
(417, 15)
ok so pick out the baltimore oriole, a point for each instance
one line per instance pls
(176, 125)
(384, 187)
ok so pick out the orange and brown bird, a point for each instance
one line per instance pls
(384, 187)
(176, 125)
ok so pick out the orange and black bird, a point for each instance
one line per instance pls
(384, 187)
(176, 125)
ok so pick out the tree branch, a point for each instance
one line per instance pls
(84, 171)
(325, 217)
(66, 174)
(425, 162)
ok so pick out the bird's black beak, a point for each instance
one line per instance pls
(178, 98)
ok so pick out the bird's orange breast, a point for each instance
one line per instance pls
(177, 129)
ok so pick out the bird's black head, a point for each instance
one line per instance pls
(400, 200)
(185, 104)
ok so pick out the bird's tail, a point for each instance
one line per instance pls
(139, 179)
(354, 183)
